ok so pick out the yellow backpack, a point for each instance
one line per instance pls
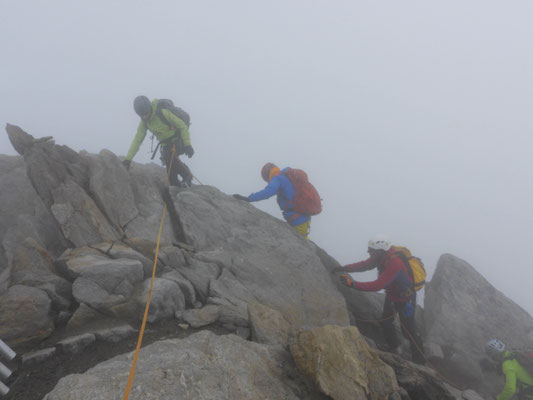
(414, 265)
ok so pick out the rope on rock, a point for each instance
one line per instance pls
(141, 333)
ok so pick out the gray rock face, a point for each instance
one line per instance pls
(107, 273)
(24, 315)
(167, 298)
(148, 186)
(203, 366)
(117, 250)
(33, 266)
(22, 215)
(76, 344)
(269, 259)
(100, 282)
(115, 334)
(110, 187)
(49, 165)
(419, 382)
(463, 311)
(80, 219)
(200, 317)
(38, 356)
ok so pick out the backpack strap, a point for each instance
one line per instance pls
(404, 259)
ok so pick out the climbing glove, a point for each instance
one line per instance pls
(189, 151)
(126, 164)
(239, 197)
(346, 280)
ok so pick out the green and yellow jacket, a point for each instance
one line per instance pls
(516, 377)
(160, 129)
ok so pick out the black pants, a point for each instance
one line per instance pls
(178, 167)
(408, 326)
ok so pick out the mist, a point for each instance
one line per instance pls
(412, 119)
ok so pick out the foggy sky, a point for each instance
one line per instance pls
(411, 118)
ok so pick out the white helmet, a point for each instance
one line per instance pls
(495, 348)
(380, 242)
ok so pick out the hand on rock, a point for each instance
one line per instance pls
(346, 280)
(127, 164)
(239, 197)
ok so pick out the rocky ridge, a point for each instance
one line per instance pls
(77, 233)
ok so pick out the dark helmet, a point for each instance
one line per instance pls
(142, 106)
(265, 171)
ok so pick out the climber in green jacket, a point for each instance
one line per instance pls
(518, 381)
(171, 132)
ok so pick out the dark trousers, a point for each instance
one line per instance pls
(177, 167)
(408, 326)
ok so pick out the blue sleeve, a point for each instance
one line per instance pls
(270, 190)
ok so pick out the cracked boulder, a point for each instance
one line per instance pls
(202, 366)
(266, 256)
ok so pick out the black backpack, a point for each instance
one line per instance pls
(166, 104)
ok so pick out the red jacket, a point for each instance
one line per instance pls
(393, 276)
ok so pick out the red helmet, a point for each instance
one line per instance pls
(265, 171)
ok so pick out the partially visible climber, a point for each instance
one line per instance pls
(170, 126)
(518, 381)
(394, 277)
(296, 197)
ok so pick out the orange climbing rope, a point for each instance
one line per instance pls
(141, 333)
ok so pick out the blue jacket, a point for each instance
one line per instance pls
(282, 186)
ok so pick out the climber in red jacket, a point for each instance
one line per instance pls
(394, 278)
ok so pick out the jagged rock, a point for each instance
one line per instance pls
(342, 365)
(80, 219)
(25, 315)
(117, 250)
(267, 325)
(49, 166)
(115, 334)
(84, 317)
(107, 273)
(148, 185)
(63, 317)
(91, 293)
(167, 298)
(216, 367)
(231, 295)
(37, 357)
(270, 259)
(186, 287)
(230, 314)
(420, 382)
(110, 188)
(76, 344)
(462, 311)
(200, 275)
(432, 351)
(33, 266)
(172, 257)
(22, 215)
(200, 317)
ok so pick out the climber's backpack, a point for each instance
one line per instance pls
(414, 265)
(306, 198)
(524, 358)
(166, 104)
